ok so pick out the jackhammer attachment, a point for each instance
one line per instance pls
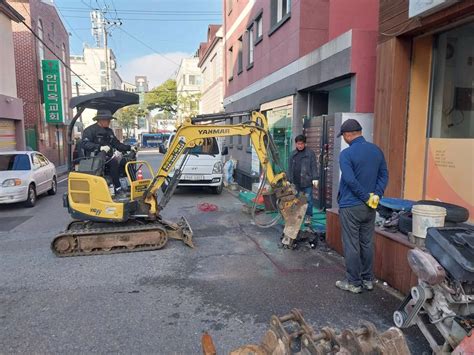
(291, 334)
(292, 209)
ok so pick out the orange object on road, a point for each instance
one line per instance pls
(139, 174)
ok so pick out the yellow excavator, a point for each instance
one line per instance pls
(105, 224)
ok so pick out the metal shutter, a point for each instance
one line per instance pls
(7, 135)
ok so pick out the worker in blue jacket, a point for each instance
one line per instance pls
(364, 176)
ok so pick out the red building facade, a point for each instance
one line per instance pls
(295, 60)
(42, 17)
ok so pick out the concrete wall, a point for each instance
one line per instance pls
(7, 58)
(212, 90)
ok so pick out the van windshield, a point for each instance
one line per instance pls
(210, 147)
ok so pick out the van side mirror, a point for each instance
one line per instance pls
(225, 151)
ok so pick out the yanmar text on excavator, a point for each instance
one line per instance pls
(103, 223)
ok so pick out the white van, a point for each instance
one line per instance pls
(204, 165)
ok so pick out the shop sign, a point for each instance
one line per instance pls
(52, 93)
(425, 7)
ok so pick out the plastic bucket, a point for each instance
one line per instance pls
(425, 216)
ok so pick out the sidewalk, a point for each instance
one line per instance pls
(61, 170)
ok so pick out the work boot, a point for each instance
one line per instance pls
(346, 286)
(368, 285)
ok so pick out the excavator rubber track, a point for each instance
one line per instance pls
(81, 240)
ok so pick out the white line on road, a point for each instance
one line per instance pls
(60, 181)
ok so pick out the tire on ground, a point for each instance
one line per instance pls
(405, 223)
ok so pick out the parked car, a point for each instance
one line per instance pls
(24, 175)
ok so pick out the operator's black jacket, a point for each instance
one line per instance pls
(96, 136)
(309, 171)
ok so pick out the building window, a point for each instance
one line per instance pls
(240, 56)
(280, 12)
(259, 28)
(251, 37)
(239, 138)
(230, 63)
(231, 138)
(452, 97)
(40, 42)
(194, 80)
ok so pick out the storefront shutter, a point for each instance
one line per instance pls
(7, 135)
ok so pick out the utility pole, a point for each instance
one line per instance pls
(107, 72)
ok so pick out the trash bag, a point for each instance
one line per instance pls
(229, 168)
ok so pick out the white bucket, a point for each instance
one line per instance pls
(425, 216)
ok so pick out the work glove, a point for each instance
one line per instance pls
(105, 148)
(315, 183)
(134, 148)
(373, 201)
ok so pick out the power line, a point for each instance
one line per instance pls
(157, 19)
(54, 54)
(159, 12)
(146, 45)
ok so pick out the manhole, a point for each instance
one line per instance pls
(8, 223)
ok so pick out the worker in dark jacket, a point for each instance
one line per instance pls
(364, 177)
(100, 138)
(303, 173)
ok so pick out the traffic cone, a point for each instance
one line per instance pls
(139, 174)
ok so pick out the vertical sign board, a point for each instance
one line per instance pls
(53, 103)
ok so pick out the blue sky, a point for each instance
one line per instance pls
(170, 29)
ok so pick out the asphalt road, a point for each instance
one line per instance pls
(162, 301)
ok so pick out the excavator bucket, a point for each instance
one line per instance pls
(292, 209)
(292, 335)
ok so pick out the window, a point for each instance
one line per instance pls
(42, 159)
(452, 96)
(14, 162)
(259, 28)
(251, 37)
(40, 43)
(240, 58)
(194, 80)
(231, 138)
(230, 63)
(281, 10)
(239, 138)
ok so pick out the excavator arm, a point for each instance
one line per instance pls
(189, 135)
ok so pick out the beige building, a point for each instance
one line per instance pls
(211, 66)
(91, 67)
(12, 132)
(188, 88)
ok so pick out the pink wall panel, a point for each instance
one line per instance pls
(347, 14)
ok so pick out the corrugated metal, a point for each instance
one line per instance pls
(7, 135)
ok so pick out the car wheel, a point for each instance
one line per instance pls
(218, 189)
(31, 199)
(54, 187)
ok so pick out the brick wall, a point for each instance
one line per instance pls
(28, 68)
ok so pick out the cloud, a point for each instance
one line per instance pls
(154, 66)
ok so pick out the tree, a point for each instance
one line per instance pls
(127, 117)
(162, 97)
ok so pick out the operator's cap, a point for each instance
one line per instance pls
(351, 125)
(104, 115)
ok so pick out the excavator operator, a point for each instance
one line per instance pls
(99, 138)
